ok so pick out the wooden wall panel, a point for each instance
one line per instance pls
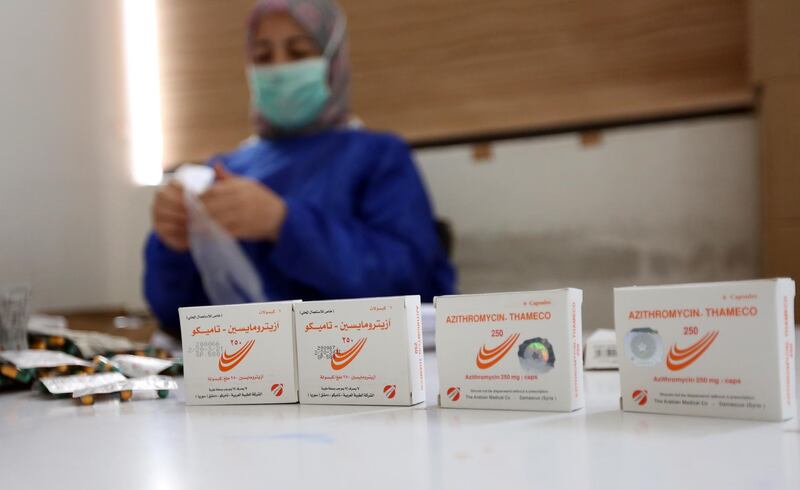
(438, 69)
(204, 90)
(775, 67)
(780, 164)
(774, 39)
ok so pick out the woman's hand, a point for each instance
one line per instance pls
(169, 217)
(247, 209)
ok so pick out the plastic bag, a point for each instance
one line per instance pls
(227, 273)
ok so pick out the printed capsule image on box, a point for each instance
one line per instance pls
(718, 349)
(511, 351)
(239, 354)
(361, 351)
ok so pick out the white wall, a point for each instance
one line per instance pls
(653, 204)
(61, 147)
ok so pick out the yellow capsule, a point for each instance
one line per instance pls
(87, 400)
(125, 395)
(8, 371)
(57, 341)
(101, 363)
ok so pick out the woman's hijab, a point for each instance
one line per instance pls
(325, 22)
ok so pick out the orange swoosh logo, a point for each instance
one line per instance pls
(340, 360)
(230, 361)
(681, 358)
(489, 357)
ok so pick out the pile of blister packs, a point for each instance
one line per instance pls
(55, 366)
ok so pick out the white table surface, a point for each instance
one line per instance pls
(163, 444)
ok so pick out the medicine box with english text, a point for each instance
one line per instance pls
(360, 351)
(239, 354)
(717, 349)
(510, 351)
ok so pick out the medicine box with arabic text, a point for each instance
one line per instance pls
(239, 354)
(360, 351)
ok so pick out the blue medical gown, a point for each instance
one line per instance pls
(358, 224)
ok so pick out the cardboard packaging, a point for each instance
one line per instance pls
(239, 354)
(601, 350)
(719, 349)
(510, 351)
(361, 351)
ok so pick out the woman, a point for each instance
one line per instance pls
(321, 209)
